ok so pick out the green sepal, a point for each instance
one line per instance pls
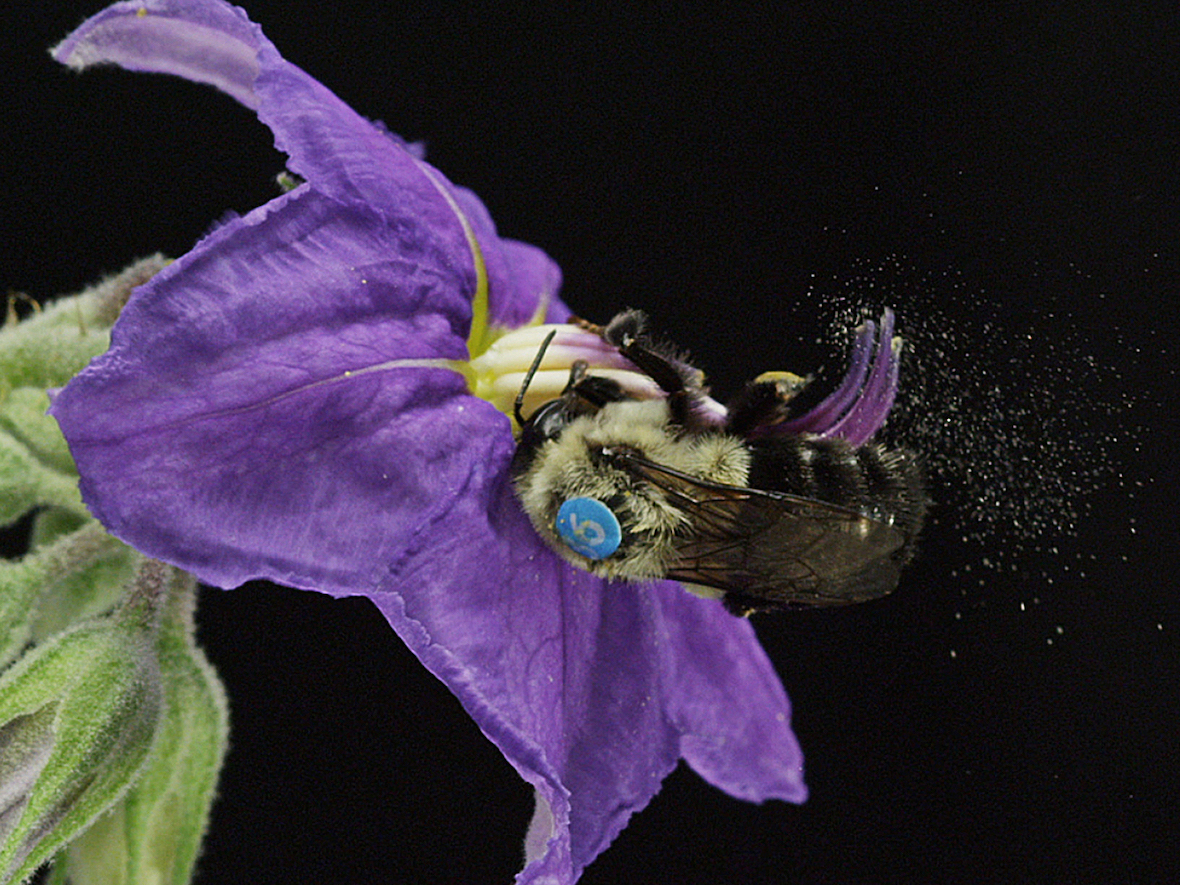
(22, 415)
(48, 348)
(85, 586)
(79, 715)
(26, 482)
(51, 524)
(79, 574)
(41, 352)
(154, 834)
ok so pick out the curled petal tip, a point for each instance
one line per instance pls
(857, 408)
(209, 43)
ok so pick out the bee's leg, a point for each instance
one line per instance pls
(626, 332)
(629, 323)
(763, 402)
(598, 391)
(683, 384)
(593, 389)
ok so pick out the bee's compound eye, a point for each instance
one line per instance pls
(589, 527)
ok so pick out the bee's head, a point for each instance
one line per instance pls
(584, 394)
(546, 423)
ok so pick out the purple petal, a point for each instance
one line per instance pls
(857, 408)
(206, 42)
(534, 280)
(522, 280)
(593, 691)
(256, 413)
(341, 154)
(277, 404)
(724, 696)
(872, 407)
(835, 404)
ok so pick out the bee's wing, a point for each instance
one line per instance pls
(772, 549)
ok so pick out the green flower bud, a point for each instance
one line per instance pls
(154, 834)
(78, 718)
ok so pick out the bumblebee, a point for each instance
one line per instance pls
(737, 502)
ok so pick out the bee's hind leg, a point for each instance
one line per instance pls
(764, 402)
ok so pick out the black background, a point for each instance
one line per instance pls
(1005, 177)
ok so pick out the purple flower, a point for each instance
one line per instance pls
(293, 400)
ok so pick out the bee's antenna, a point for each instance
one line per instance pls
(528, 378)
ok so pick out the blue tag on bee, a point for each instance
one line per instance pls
(588, 527)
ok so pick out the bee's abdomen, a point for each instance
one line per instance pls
(884, 484)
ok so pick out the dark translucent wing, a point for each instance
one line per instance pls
(773, 549)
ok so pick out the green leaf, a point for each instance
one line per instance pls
(113, 727)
